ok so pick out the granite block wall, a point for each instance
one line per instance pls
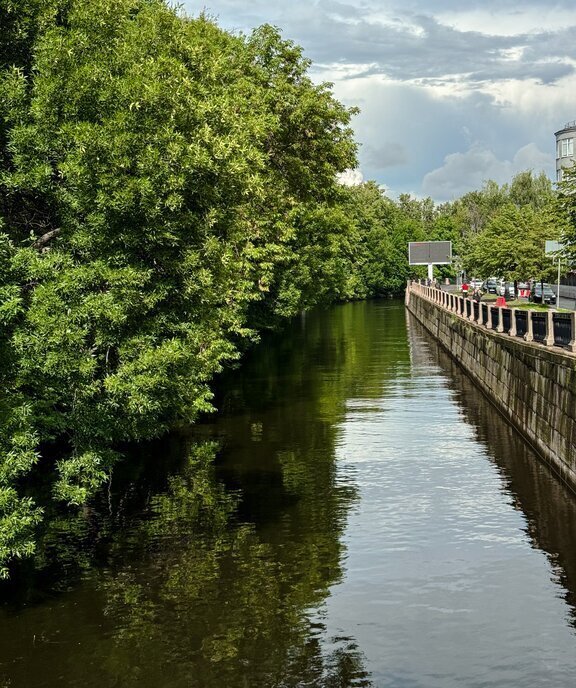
(534, 386)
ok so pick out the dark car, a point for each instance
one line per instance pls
(542, 294)
(491, 285)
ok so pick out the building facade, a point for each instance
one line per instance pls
(565, 148)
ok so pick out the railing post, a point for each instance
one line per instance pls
(500, 326)
(512, 330)
(549, 339)
(489, 318)
(529, 336)
(480, 313)
(572, 344)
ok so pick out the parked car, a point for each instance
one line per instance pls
(542, 294)
(476, 283)
(506, 289)
(491, 285)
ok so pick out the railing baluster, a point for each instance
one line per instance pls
(572, 344)
(549, 339)
(512, 330)
(529, 336)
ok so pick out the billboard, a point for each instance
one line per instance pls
(553, 247)
(430, 252)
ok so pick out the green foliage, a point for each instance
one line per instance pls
(512, 245)
(564, 211)
(503, 228)
(379, 233)
(158, 178)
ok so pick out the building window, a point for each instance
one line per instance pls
(567, 148)
(559, 175)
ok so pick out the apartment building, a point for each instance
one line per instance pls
(565, 148)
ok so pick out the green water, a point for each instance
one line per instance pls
(356, 514)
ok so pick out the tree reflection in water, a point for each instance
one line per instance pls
(209, 604)
(215, 575)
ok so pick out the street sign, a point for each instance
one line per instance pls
(430, 252)
(553, 247)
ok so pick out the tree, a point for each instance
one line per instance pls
(512, 245)
(564, 212)
(158, 177)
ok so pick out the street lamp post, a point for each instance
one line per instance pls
(554, 249)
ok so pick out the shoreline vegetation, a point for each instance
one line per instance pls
(168, 191)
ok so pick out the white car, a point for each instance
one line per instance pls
(506, 289)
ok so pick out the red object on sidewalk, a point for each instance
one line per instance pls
(500, 302)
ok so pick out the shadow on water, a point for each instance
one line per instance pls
(209, 564)
(548, 505)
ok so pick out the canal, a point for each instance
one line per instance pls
(357, 514)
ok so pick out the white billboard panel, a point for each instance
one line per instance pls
(430, 252)
(553, 247)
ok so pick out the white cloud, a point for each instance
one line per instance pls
(351, 177)
(450, 93)
(509, 21)
(463, 172)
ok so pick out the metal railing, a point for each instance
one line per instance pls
(549, 328)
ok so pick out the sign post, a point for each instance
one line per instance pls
(554, 249)
(430, 253)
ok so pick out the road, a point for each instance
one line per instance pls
(569, 303)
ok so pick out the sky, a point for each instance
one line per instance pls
(450, 93)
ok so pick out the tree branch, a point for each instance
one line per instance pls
(45, 238)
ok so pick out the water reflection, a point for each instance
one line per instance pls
(549, 506)
(217, 573)
(357, 515)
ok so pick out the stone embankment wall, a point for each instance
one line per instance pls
(533, 385)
